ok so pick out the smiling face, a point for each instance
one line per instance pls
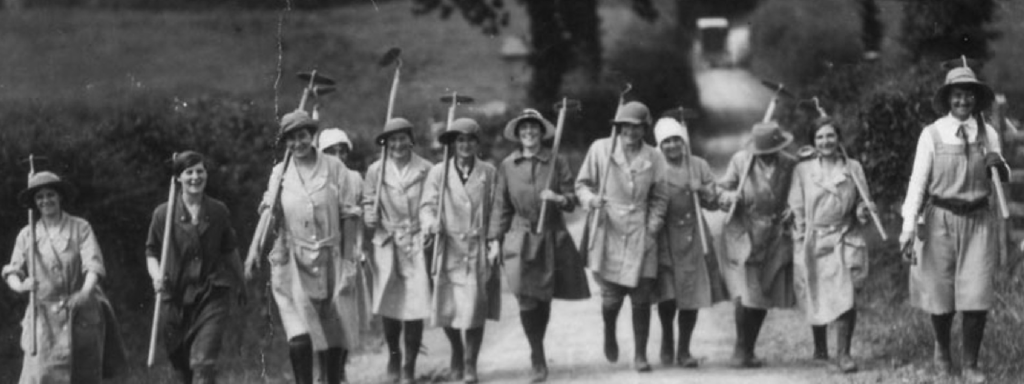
(339, 150)
(48, 202)
(399, 146)
(962, 101)
(193, 179)
(631, 134)
(826, 140)
(530, 133)
(674, 148)
(466, 146)
(300, 142)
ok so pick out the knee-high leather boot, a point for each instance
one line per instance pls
(300, 350)
(820, 335)
(474, 339)
(534, 325)
(941, 325)
(610, 314)
(844, 339)
(413, 340)
(393, 337)
(754, 318)
(641, 330)
(666, 315)
(458, 358)
(687, 321)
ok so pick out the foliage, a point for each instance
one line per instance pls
(941, 30)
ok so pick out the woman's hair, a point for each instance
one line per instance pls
(185, 160)
(822, 122)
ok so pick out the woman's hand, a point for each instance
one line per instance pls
(159, 284)
(864, 212)
(906, 241)
(251, 265)
(549, 195)
(493, 251)
(25, 286)
(80, 297)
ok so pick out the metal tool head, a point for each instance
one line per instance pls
(681, 113)
(392, 55)
(319, 90)
(458, 99)
(315, 78)
(816, 103)
(569, 105)
(625, 90)
(778, 88)
(962, 61)
(32, 163)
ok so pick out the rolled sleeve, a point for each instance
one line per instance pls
(89, 248)
(17, 264)
(918, 178)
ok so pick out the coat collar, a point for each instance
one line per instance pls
(184, 218)
(544, 155)
(473, 182)
(643, 158)
(416, 170)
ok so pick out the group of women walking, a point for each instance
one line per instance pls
(420, 242)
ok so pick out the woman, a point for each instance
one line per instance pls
(538, 266)
(830, 261)
(688, 276)
(956, 248)
(334, 142)
(76, 333)
(402, 287)
(757, 262)
(312, 278)
(203, 269)
(622, 250)
(467, 283)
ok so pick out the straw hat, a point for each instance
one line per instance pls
(528, 114)
(395, 125)
(962, 77)
(633, 112)
(42, 180)
(667, 127)
(768, 138)
(461, 126)
(293, 121)
(331, 137)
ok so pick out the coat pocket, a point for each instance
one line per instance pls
(855, 257)
(512, 246)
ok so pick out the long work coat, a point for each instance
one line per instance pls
(201, 258)
(354, 234)
(468, 286)
(545, 265)
(758, 260)
(401, 287)
(621, 247)
(312, 279)
(686, 274)
(74, 343)
(830, 261)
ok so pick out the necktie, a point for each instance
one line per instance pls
(961, 132)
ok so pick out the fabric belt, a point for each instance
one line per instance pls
(960, 207)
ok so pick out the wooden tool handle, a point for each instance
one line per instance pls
(554, 164)
(164, 253)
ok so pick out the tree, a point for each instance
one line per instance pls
(564, 34)
(941, 30)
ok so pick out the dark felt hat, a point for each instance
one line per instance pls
(768, 138)
(461, 126)
(42, 180)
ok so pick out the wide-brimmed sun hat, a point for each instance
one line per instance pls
(768, 137)
(461, 126)
(295, 120)
(633, 112)
(667, 127)
(331, 137)
(962, 77)
(46, 179)
(511, 129)
(393, 126)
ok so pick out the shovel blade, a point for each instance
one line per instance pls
(319, 79)
(322, 90)
(570, 104)
(390, 57)
(459, 99)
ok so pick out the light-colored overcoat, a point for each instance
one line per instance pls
(76, 343)
(313, 279)
(621, 246)
(757, 262)
(537, 265)
(831, 260)
(468, 286)
(401, 284)
(686, 274)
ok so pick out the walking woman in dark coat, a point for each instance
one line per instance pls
(203, 272)
(538, 266)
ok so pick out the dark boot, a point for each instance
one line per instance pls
(844, 339)
(641, 330)
(941, 325)
(820, 334)
(687, 321)
(739, 355)
(474, 339)
(534, 324)
(754, 320)
(456, 372)
(342, 362)
(610, 314)
(973, 333)
(413, 341)
(179, 361)
(331, 364)
(667, 314)
(300, 350)
(393, 337)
